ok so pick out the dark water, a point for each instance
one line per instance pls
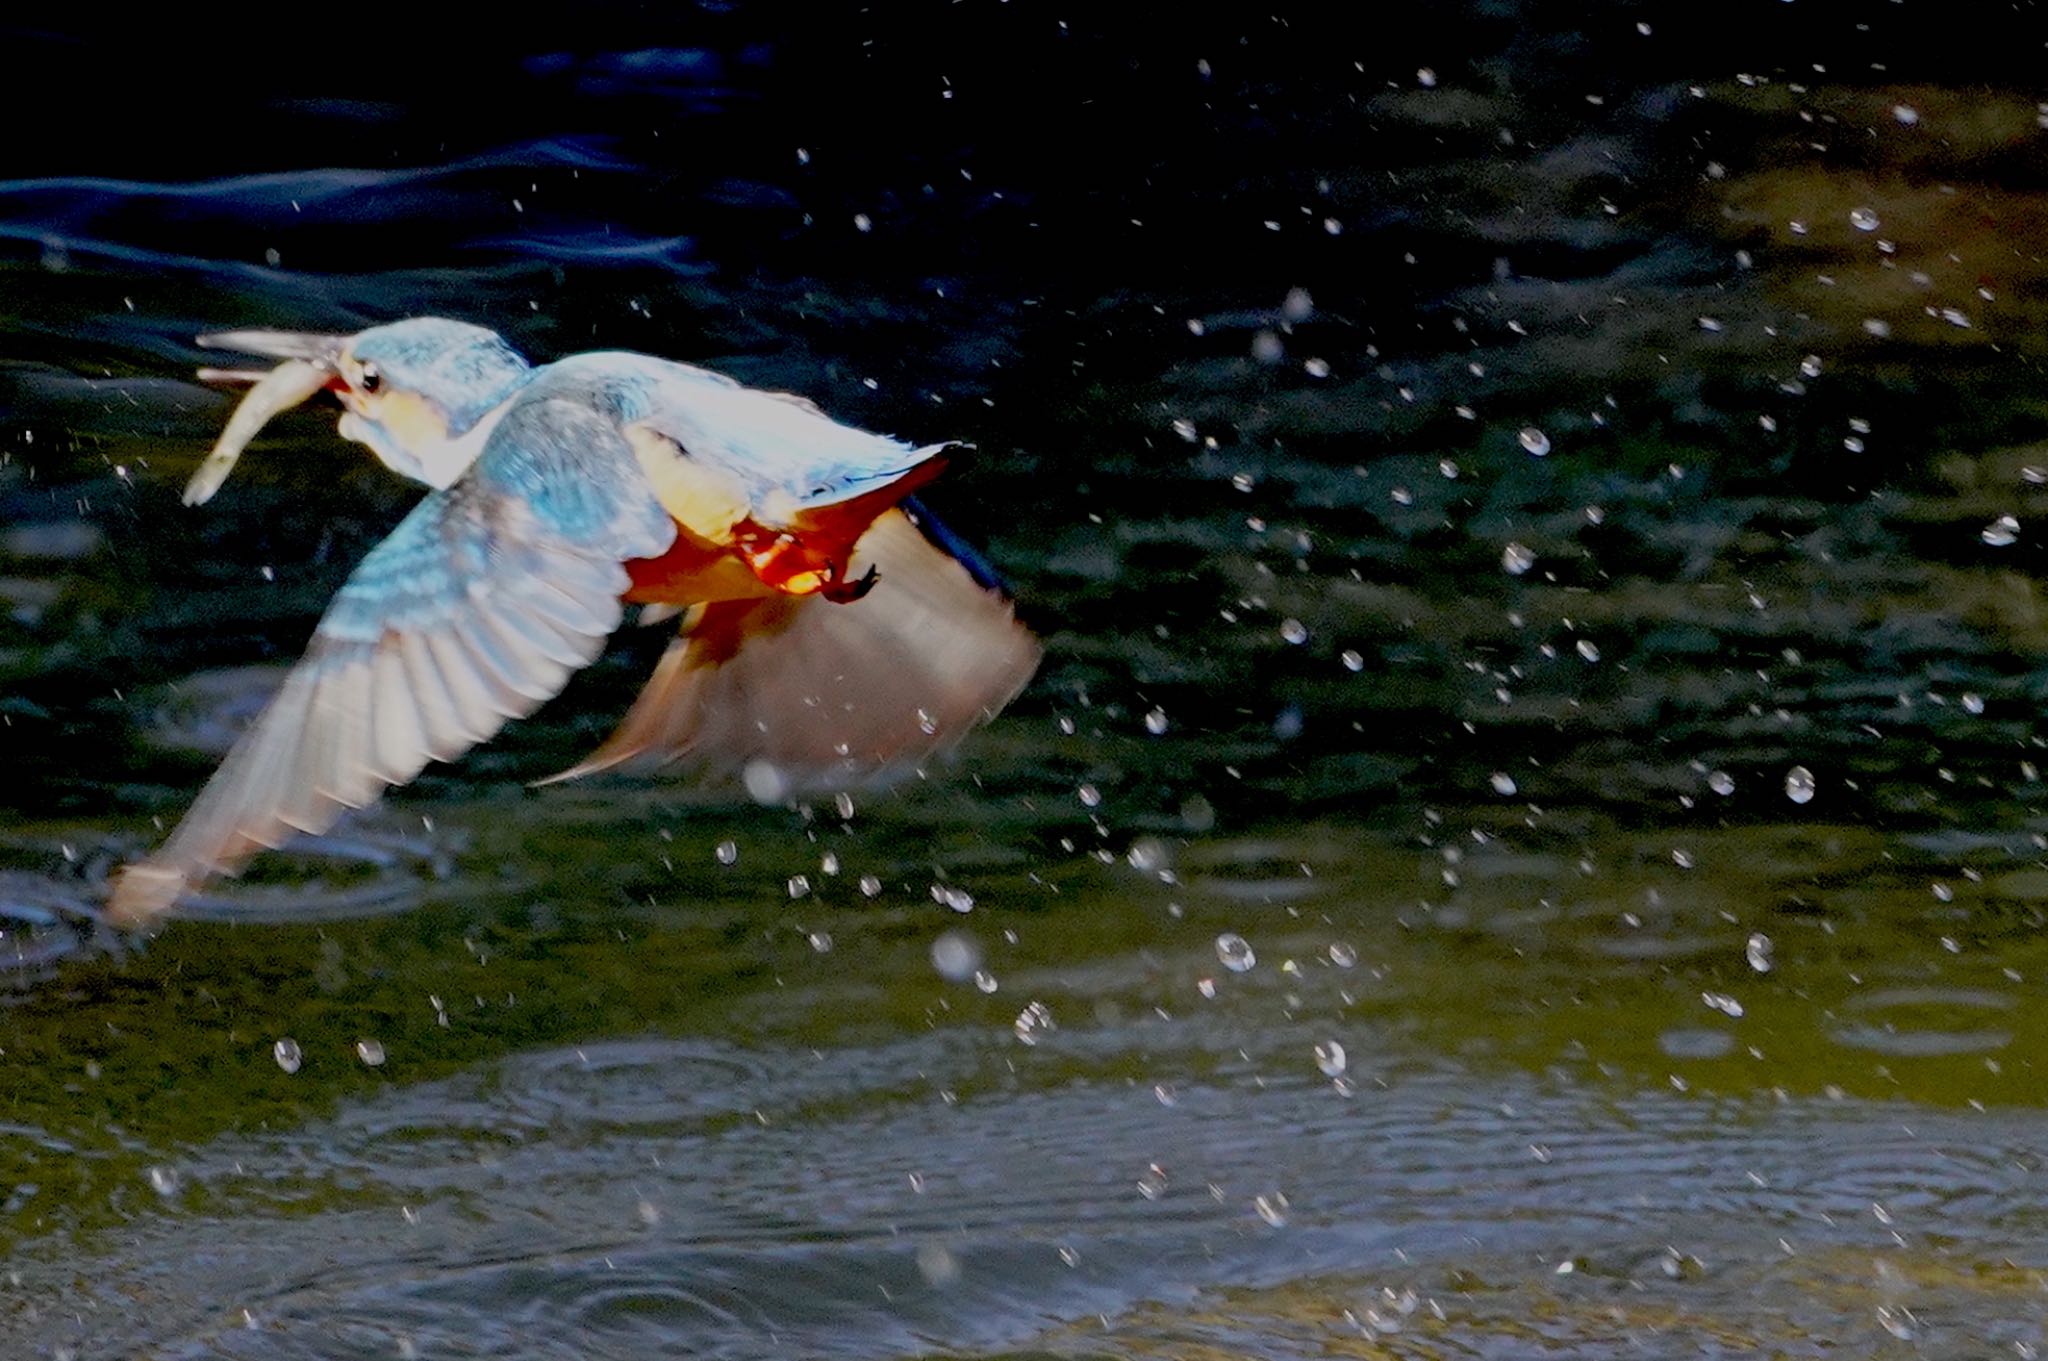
(1656, 823)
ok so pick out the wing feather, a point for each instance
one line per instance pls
(833, 693)
(472, 612)
(397, 723)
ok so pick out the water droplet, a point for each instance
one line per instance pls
(1799, 785)
(2034, 474)
(984, 980)
(1317, 368)
(1330, 1057)
(1272, 1209)
(1503, 783)
(1810, 366)
(821, 941)
(937, 1264)
(371, 1052)
(1758, 952)
(1516, 559)
(726, 852)
(1534, 440)
(1863, 219)
(2003, 532)
(844, 803)
(1034, 1023)
(286, 1052)
(862, 222)
(1723, 1003)
(1721, 782)
(954, 897)
(799, 885)
(870, 885)
(1155, 721)
(956, 955)
(1294, 631)
(1069, 1257)
(1152, 1184)
(1267, 348)
(1682, 858)
(1342, 955)
(1906, 114)
(1186, 430)
(829, 863)
(1353, 660)
(165, 1181)
(1235, 952)
(1588, 649)
(1973, 704)
(1089, 796)
(1426, 78)
(1149, 855)
(765, 782)
(1943, 893)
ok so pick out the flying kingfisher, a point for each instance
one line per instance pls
(825, 638)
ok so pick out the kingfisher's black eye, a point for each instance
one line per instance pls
(371, 379)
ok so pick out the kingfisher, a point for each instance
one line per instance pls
(825, 638)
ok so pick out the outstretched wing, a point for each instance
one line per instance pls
(474, 611)
(831, 693)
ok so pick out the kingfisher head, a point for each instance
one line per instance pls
(417, 392)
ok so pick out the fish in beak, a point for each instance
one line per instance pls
(311, 363)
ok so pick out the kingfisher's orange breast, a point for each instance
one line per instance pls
(692, 571)
(750, 560)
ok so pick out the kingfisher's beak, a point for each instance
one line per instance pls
(310, 346)
(311, 362)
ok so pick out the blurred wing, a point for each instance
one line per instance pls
(831, 692)
(781, 448)
(475, 610)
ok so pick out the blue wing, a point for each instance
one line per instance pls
(474, 611)
(780, 447)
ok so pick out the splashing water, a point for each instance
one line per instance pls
(1235, 952)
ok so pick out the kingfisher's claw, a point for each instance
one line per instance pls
(846, 592)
